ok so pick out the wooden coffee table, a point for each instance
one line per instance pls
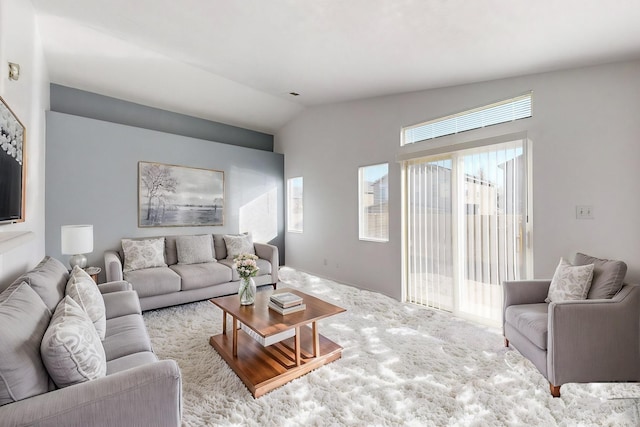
(264, 368)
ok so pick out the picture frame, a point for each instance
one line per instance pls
(13, 166)
(179, 196)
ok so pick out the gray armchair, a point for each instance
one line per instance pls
(592, 340)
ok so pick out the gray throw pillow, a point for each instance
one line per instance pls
(23, 321)
(84, 291)
(146, 253)
(195, 249)
(48, 279)
(570, 282)
(236, 245)
(608, 275)
(71, 348)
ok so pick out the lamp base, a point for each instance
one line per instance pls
(79, 260)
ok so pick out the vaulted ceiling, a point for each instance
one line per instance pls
(237, 61)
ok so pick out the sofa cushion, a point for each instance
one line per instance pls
(264, 267)
(130, 361)
(608, 276)
(570, 282)
(153, 281)
(236, 245)
(71, 348)
(530, 320)
(83, 290)
(220, 249)
(170, 250)
(195, 249)
(23, 321)
(48, 279)
(125, 335)
(195, 276)
(145, 253)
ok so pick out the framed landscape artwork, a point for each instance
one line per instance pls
(170, 195)
(12, 166)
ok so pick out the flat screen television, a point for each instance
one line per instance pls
(12, 166)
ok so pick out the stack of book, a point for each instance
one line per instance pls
(286, 303)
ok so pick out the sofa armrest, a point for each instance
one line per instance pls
(516, 292)
(113, 266)
(147, 395)
(270, 253)
(595, 340)
(525, 291)
(121, 303)
(118, 286)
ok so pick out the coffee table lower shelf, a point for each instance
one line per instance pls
(263, 369)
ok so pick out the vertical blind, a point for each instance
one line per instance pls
(466, 228)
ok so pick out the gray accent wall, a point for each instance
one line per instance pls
(92, 178)
(87, 104)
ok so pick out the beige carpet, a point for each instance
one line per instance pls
(401, 365)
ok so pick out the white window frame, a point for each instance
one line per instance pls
(363, 205)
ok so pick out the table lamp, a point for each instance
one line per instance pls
(77, 240)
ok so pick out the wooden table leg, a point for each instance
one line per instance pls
(235, 337)
(224, 322)
(297, 345)
(316, 339)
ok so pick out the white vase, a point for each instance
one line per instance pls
(247, 291)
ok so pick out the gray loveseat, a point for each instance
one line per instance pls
(174, 282)
(138, 389)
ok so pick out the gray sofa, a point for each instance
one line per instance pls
(178, 283)
(577, 341)
(138, 389)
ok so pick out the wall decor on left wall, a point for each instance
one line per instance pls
(171, 195)
(12, 166)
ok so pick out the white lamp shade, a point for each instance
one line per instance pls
(77, 239)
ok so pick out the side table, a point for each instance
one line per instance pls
(93, 272)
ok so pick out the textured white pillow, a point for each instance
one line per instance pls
(84, 291)
(570, 282)
(139, 254)
(195, 249)
(71, 348)
(236, 245)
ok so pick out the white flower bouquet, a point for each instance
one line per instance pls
(246, 265)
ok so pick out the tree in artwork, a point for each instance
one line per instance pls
(158, 182)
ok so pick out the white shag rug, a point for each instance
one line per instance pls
(401, 365)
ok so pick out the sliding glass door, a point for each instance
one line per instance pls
(466, 228)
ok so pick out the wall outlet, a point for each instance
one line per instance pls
(325, 262)
(584, 212)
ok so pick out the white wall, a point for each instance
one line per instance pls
(28, 98)
(586, 151)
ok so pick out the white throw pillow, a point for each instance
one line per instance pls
(236, 245)
(84, 291)
(195, 249)
(570, 282)
(71, 348)
(139, 254)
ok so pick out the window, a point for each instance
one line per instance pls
(294, 205)
(466, 228)
(373, 184)
(499, 112)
